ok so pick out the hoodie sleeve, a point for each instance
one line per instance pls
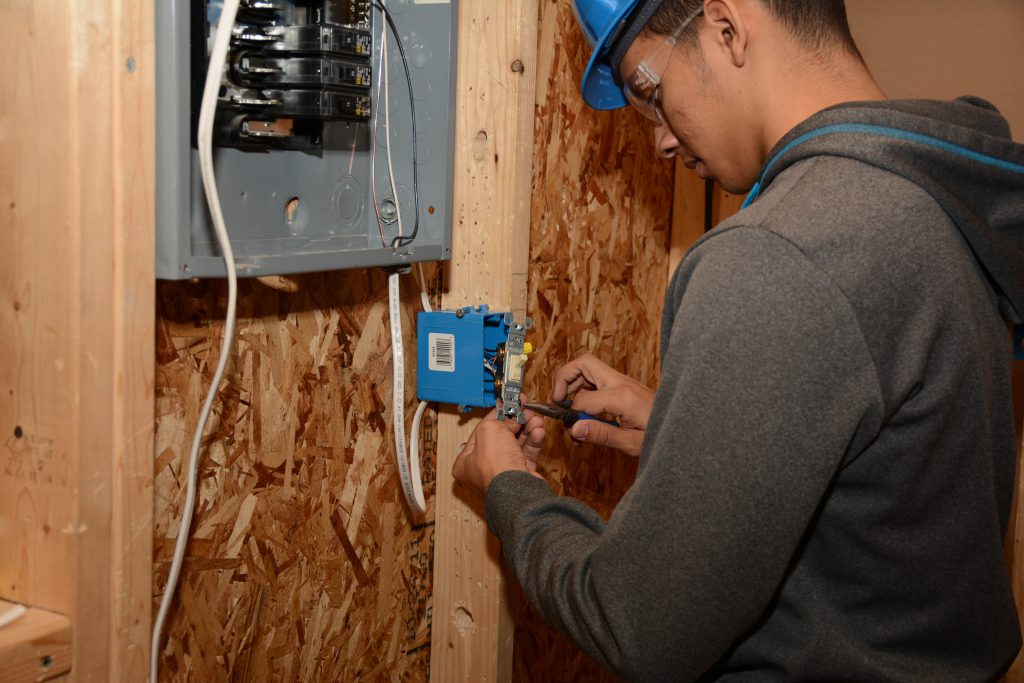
(766, 386)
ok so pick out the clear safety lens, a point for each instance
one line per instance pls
(641, 91)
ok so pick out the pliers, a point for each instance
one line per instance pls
(564, 412)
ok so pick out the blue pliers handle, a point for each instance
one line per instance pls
(563, 411)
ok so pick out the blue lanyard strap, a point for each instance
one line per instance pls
(883, 131)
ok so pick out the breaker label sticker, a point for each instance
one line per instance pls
(442, 352)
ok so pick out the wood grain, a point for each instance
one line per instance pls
(76, 243)
(687, 214)
(493, 159)
(36, 647)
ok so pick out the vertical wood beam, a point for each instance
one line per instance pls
(688, 212)
(77, 286)
(472, 627)
(725, 204)
(133, 288)
(687, 215)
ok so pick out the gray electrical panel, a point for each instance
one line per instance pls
(298, 122)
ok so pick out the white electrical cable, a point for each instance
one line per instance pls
(387, 133)
(218, 58)
(376, 118)
(408, 470)
(424, 299)
(408, 474)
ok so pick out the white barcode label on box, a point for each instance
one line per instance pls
(442, 352)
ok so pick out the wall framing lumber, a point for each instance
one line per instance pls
(687, 214)
(76, 370)
(36, 647)
(472, 626)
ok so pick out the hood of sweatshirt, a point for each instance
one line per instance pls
(959, 151)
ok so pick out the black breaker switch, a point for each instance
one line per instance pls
(293, 66)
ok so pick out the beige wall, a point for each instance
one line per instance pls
(941, 48)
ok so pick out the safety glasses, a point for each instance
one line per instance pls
(643, 88)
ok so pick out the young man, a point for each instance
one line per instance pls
(827, 467)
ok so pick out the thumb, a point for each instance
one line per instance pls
(600, 433)
(460, 460)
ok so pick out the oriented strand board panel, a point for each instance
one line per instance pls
(472, 627)
(599, 252)
(304, 563)
(76, 322)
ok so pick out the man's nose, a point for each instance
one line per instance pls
(665, 143)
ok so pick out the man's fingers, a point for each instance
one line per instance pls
(532, 436)
(459, 465)
(582, 371)
(585, 371)
(631, 406)
(566, 384)
(511, 425)
(629, 441)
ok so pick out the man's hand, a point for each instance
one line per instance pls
(497, 446)
(599, 389)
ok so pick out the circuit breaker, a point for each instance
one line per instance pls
(471, 357)
(299, 135)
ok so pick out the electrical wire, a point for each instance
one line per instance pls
(373, 142)
(218, 58)
(424, 298)
(387, 132)
(408, 468)
(402, 241)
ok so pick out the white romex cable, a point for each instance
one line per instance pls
(205, 142)
(408, 469)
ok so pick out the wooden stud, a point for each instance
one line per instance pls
(725, 204)
(132, 282)
(35, 647)
(687, 214)
(472, 627)
(76, 239)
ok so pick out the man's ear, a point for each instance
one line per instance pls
(729, 28)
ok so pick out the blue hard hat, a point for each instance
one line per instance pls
(602, 22)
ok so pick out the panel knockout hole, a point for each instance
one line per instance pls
(290, 207)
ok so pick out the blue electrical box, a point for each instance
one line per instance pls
(471, 357)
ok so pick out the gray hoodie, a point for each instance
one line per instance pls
(827, 473)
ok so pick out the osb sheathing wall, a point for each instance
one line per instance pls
(304, 562)
(599, 247)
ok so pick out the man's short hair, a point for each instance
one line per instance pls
(818, 24)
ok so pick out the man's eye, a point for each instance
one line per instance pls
(643, 87)
(643, 82)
